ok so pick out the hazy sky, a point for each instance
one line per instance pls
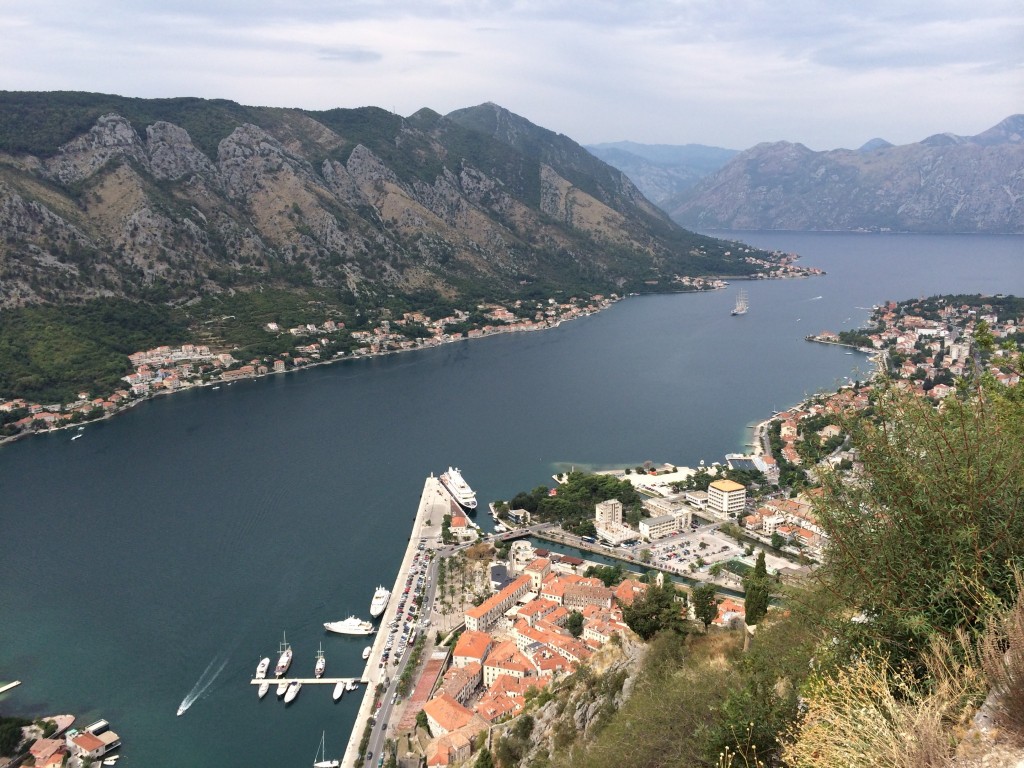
(729, 73)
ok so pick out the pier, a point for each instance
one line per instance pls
(307, 680)
(9, 686)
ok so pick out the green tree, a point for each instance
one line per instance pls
(422, 722)
(485, 759)
(757, 586)
(645, 555)
(574, 623)
(927, 543)
(705, 604)
(657, 610)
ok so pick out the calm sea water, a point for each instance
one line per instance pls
(167, 550)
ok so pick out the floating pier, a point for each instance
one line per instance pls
(307, 680)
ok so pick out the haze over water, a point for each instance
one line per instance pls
(184, 536)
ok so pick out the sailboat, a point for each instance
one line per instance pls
(741, 303)
(321, 756)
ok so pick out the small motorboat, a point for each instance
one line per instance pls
(366, 652)
(264, 688)
(339, 690)
(292, 692)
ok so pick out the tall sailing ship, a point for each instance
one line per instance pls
(741, 304)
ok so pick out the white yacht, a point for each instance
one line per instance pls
(380, 601)
(350, 626)
(264, 688)
(454, 483)
(366, 652)
(261, 669)
(292, 692)
(339, 690)
(282, 688)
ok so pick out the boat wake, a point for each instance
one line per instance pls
(202, 684)
(816, 298)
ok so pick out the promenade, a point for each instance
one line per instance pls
(434, 505)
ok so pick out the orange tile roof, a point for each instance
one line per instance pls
(447, 712)
(472, 644)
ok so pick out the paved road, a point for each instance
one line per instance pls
(378, 736)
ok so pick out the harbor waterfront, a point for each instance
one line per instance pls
(161, 555)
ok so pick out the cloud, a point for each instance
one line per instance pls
(350, 55)
(674, 71)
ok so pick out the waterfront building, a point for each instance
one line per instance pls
(726, 497)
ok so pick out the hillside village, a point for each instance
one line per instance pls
(166, 369)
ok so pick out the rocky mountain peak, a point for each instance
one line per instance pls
(111, 137)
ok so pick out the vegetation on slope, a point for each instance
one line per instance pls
(882, 657)
(50, 354)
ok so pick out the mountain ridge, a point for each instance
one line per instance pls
(942, 184)
(169, 199)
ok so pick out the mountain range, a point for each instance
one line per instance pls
(663, 172)
(943, 184)
(172, 199)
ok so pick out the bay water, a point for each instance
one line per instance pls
(161, 555)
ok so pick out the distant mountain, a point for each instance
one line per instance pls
(945, 183)
(663, 171)
(172, 199)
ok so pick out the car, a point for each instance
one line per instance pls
(369, 755)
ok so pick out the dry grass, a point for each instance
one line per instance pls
(1002, 657)
(872, 715)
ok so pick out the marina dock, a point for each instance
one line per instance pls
(307, 680)
(9, 686)
(434, 504)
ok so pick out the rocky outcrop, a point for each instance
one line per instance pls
(943, 184)
(580, 705)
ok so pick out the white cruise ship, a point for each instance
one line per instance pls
(380, 601)
(454, 483)
(350, 626)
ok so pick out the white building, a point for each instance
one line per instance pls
(608, 522)
(608, 513)
(652, 528)
(727, 497)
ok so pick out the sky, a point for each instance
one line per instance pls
(728, 73)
